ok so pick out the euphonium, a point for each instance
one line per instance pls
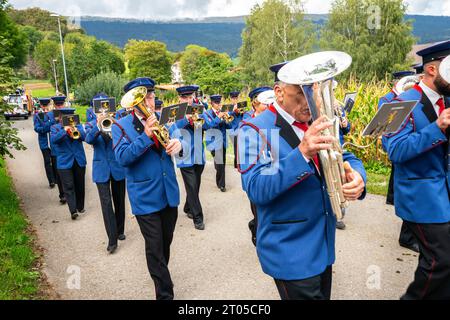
(406, 83)
(135, 98)
(315, 73)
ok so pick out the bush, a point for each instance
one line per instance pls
(108, 82)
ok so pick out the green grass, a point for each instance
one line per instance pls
(81, 111)
(34, 81)
(18, 281)
(377, 183)
(44, 93)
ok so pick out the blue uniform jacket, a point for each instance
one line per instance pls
(67, 149)
(42, 128)
(53, 122)
(151, 179)
(194, 153)
(104, 164)
(387, 98)
(419, 152)
(214, 139)
(296, 224)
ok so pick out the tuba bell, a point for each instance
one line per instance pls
(405, 84)
(135, 98)
(315, 73)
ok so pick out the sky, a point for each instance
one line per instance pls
(174, 9)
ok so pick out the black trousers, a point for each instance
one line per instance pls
(47, 155)
(235, 141)
(192, 178)
(73, 185)
(113, 192)
(390, 195)
(220, 168)
(253, 224)
(158, 229)
(432, 277)
(316, 288)
(58, 178)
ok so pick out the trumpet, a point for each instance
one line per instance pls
(106, 122)
(198, 122)
(72, 130)
(135, 98)
(314, 73)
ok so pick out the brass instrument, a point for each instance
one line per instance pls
(406, 83)
(198, 122)
(72, 130)
(444, 69)
(135, 98)
(228, 118)
(315, 73)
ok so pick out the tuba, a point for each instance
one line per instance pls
(135, 98)
(315, 73)
(405, 84)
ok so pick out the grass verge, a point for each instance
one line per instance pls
(19, 279)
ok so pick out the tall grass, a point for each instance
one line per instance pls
(18, 280)
(365, 108)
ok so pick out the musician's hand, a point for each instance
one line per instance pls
(344, 123)
(189, 117)
(236, 110)
(355, 185)
(314, 141)
(444, 120)
(222, 115)
(174, 147)
(150, 126)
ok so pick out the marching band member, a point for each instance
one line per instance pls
(419, 152)
(277, 156)
(109, 177)
(58, 103)
(218, 148)
(234, 96)
(42, 128)
(151, 183)
(193, 164)
(406, 238)
(71, 162)
(159, 104)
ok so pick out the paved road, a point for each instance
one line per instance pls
(218, 263)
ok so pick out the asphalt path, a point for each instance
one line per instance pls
(218, 263)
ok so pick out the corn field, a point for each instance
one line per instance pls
(363, 112)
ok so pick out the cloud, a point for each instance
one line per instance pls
(171, 9)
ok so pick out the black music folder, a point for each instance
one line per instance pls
(105, 105)
(390, 118)
(71, 120)
(174, 113)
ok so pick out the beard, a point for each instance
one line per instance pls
(442, 86)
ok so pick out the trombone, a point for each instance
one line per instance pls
(135, 98)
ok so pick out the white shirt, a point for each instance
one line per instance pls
(290, 119)
(299, 132)
(432, 95)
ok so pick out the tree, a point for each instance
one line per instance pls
(8, 135)
(373, 32)
(276, 31)
(38, 18)
(149, 59)
(33, 36)
(15, 42)
(108, 82)
(213, 71)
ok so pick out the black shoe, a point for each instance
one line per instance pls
(190, 216)
(413, 247)
(52, 186)
(62, 201)
(122, 237)
(112, 249)
(82, 211)
(223, 189)
(74, 216)
(200, 226)
(340, 225)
